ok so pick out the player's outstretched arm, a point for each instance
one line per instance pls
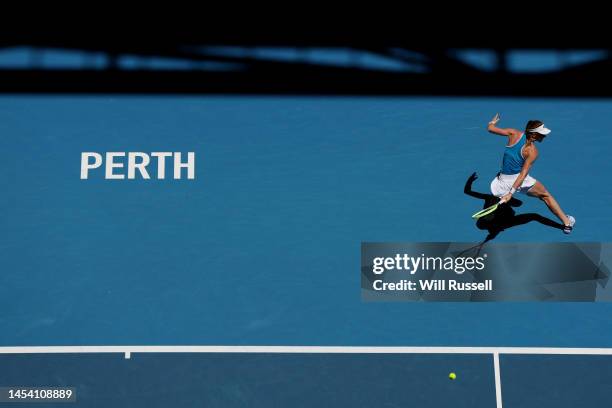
(492, 128)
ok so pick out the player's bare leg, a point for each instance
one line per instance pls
(538, 190)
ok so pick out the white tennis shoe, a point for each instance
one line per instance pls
(567, 229)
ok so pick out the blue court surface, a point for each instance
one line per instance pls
(262, 249)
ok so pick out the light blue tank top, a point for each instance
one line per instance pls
(513, 160)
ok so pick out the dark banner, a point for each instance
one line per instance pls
(468, 272)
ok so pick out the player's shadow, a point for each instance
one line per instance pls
(504, 217)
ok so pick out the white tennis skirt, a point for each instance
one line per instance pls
(501, 184)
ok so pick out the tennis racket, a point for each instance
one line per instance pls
(487, 210)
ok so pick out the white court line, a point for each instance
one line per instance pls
(495, 351)
(498, 391)
(304, 349)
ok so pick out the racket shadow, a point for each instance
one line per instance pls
(504, 217)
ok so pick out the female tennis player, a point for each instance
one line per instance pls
(519, 156)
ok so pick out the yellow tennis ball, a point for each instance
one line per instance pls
(452, 376)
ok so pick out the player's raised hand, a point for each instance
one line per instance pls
(495, 119)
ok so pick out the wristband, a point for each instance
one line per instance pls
(512, 190)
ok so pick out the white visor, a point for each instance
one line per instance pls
(541, 130)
